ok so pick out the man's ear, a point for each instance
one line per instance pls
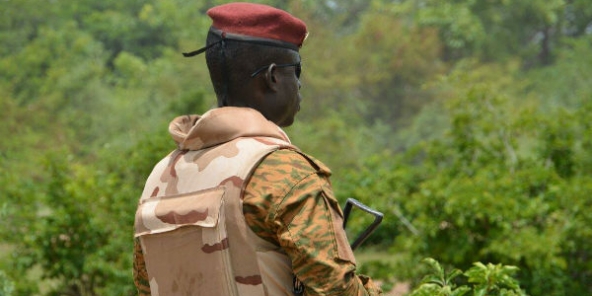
(271, 78)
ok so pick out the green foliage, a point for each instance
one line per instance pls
(492, 280)
(391, 78)
(423, 109)
(503, 184)
(497, 30)
(440, 282)
(68, 240)
(6, 285)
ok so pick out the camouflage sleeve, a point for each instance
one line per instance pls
(289, 201)
(140, 274)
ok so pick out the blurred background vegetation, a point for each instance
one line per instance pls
(468, 123)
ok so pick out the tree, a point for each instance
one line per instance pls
(498, 30)
(503, 184)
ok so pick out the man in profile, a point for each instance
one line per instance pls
(237, 209)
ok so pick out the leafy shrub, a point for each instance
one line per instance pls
(6, 285)
(481, 280)
(503, 184)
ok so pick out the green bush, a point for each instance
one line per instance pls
(480, 280)
(473, 154)
(504, 184)
(6, 285)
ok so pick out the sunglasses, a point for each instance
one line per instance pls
(298, 67)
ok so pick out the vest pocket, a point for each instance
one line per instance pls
(163, 214)
(185, 244)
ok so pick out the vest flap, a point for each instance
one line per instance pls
(162, 214)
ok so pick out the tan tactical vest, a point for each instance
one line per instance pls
(192, 229)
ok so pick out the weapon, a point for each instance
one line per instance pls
(350, 203)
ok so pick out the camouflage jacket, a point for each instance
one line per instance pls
(288, 204)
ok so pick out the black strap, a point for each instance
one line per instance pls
(298, 287)
(201, 50)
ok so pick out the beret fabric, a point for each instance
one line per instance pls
(258, 20)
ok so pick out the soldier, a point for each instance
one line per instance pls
(237, 209)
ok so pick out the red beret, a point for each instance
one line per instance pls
(257, 20)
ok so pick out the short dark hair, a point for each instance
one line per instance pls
(232, 62)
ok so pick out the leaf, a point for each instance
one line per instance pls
(461, 291)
